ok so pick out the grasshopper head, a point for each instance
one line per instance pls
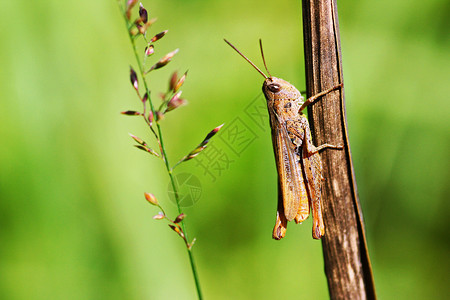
(277, 89)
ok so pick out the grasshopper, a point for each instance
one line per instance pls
(298, 161)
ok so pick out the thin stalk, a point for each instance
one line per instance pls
(346, 256)
(166, 161)
(189, 250)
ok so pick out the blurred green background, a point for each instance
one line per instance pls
(73, 220)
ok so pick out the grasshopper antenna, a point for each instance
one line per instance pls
(254, 66)
(264, 60)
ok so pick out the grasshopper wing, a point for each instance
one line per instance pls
(290, 175)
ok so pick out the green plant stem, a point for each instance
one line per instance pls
(189, 250)
(166, 161)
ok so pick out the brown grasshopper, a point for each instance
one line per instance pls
(298, 162)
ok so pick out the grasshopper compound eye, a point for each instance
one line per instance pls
(274, 87)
